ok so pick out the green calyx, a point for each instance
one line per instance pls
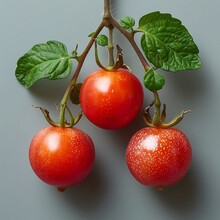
(63, 122)
(159, 117)
(74, 97)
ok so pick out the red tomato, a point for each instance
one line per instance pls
(111, 100)
(158, 156)
(61, 156)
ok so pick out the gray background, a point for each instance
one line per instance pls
(109, 192)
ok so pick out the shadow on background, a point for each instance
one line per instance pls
(88, 195)
(123, 136)
(49, 89)
(190, 86)
(183, 197)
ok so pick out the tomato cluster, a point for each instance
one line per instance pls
(111, 100)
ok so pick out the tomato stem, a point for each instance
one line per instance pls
(107, 11)
(97, 58)
(111, 47)
(157, 118)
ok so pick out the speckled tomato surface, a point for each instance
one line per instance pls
(111, 99)
(61, 156)
(158, 157)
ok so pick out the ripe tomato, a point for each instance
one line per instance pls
(61, 156)
(158, 156)
(111, 99)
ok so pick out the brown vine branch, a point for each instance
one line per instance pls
(81, 60)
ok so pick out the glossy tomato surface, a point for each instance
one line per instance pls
(111, 100)
(158, 157)
(61, 156)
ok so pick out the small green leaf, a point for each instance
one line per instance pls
(153, 80)
(74, 95)
(74, 52)
(91, 34)
(127, 22)
(102, 40)
(167, 44)
(48, 60)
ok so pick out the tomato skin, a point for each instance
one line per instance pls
(158, 156)
(111, 99)
(61, 156)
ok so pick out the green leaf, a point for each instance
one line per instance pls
(167, 44)
(74, 52)
(74, 95)
(153, 17)
(48, 60)
(91, 34)
(127, 22)
(153, 80)
(102, 40)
